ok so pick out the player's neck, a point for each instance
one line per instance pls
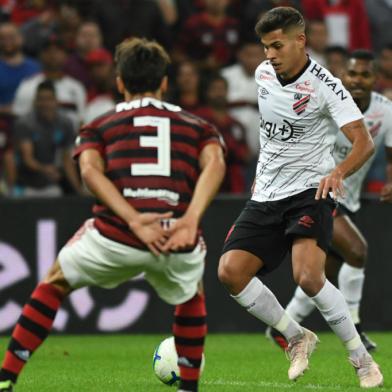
(133, 97)
(363, 104)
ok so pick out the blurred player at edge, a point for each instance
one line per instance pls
(290, 210)
(154, 170)
(348, 244)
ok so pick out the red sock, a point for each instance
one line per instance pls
(31, 330)
(189, 332)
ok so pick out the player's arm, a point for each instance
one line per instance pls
(71, 172)
(362, 150)
(386, 191)
(212, 164)
(145, 225)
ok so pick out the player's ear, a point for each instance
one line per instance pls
(120, 85)
(164, 85)
(301, 40)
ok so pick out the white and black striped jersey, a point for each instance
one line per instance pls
(378, 119)
(299, 120)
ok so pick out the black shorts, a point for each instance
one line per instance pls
(267, 229)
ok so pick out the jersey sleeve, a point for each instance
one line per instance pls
(338, 102)
(210, 135)
(88, 138)
(388, 134)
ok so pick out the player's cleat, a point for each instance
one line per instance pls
(368, 372)
(6, 386)
(275, 336)
(369, 344)
(299, 351)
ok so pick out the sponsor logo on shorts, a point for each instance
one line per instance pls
(306, 221)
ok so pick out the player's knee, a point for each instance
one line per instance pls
(310, 283)
(358, 254)
(55, 277)
(228, 272)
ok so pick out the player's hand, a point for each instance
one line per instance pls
(334, 182)
(386, 193)
(182, 233)
(147, 226)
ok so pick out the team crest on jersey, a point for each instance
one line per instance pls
(301, 103)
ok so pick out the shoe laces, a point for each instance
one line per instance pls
(296, 345)
(363, 365)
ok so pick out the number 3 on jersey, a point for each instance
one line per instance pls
(161, 141)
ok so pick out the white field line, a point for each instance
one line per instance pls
(266, 384)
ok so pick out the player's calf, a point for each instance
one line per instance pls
(189, 331)
(33, 327)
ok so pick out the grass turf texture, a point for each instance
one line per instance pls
(234, 362)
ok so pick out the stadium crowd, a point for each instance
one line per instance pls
(57, 72)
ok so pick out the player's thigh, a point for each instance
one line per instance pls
(90, 259)
(255, 244)
(176, 277)
(55, 277)
(348, 241)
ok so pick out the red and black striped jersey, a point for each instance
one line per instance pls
(151, 152)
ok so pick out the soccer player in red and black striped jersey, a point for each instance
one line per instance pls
(154, 169)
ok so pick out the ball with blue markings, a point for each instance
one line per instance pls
(165, 362)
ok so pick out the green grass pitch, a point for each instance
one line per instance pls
(234, 362)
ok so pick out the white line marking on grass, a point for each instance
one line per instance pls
(266, 384)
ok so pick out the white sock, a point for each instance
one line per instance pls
(331, 304)
(259, 301)
(300, 305)
(351, 281)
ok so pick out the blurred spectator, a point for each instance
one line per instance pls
(346, 20)
(44, 139)
(88, 38)
(100, 97)
(187, 87)
(380, 17)
(316, 40)
(336, 57)
(210, 37)
(253, 9)
(216, 111)
(169, 11)
(70, 93)
(14, 66)
(38, 29)
(7, 161)
(69, 21)
(21, 11)
(121, 19)
(385, 75)
(242, 97)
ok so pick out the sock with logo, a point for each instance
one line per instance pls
(189, 332)
(259, 301)
(31, 330)
(332, 306)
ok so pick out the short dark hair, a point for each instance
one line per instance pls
(46, 85)
(365, 55)
(141, 64)
(277, 18)
(337, 49)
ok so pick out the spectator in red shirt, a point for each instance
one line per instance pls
(187, 91)
(88, 38)
(347, 21)
(216, 111)
(210, 37)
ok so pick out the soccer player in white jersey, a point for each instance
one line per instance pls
(291, 210)
(348, 244)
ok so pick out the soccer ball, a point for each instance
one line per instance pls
(165, 362)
